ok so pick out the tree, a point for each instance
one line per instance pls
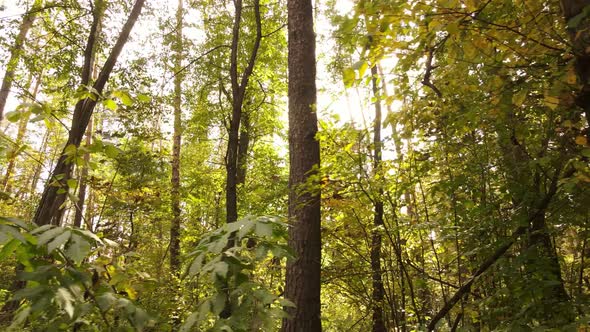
(177, 136)
(16, 54)
(54, 195)
(303, 272)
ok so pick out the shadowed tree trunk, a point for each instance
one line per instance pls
(49, 209)
(580, 38)
(244, 144)
(16, 53)
(175, 195)
(239, 83)
(98, 13)
(378, 291)
(303, 272)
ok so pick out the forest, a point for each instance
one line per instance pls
(294, 165)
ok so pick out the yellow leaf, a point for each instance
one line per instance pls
(519, 98)
(551, 102)
(571, 77)
(581, 140)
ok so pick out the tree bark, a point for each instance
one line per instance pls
(49, 209)
(239, 85)
(244, 145)
(16, 53)
(303, 277)
(20, 136)
(580, 37)
(378, 291)
(175, 194)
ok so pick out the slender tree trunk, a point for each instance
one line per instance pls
(83, 180)
(175, 226)
(378, 291)
(98, 13)
(239, 84)
(39, 166)
(16, 53)
(20, 136)
(49, 209)
(303, 278)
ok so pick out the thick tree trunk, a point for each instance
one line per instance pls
(175, 225)
(378, 291)
(244, 145)
(15, 54)
(304, 271)
(49, 209)
(580, 37)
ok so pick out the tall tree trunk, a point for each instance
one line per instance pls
(83, 185)
(16, 53)
(175, 226)
(377, 280)
(20, 136)
(303, 276)
(49, 209)
(239, 84)
(580, 37)
(98, 13)
(244, 144)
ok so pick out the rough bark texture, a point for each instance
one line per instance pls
(239, 85)
(49, 211)
(580, 38)
(175, 195)
(244, 145)
(378, 291)
(303, 272)
(15, 55)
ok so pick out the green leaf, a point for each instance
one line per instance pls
(72, 183)
(263, 229)
(124, 97)
(58, 241)
(65, 300)
(348, 76)
(221, 268)
(105, 301)
(110, 104)
(196, 265)
(9, 248)
(111, 151)
(519, 97)
(13, 116)
(41, 229)
(78, 248)
(144, 98)
(88, 234)
(49, 235)
(218, 303)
